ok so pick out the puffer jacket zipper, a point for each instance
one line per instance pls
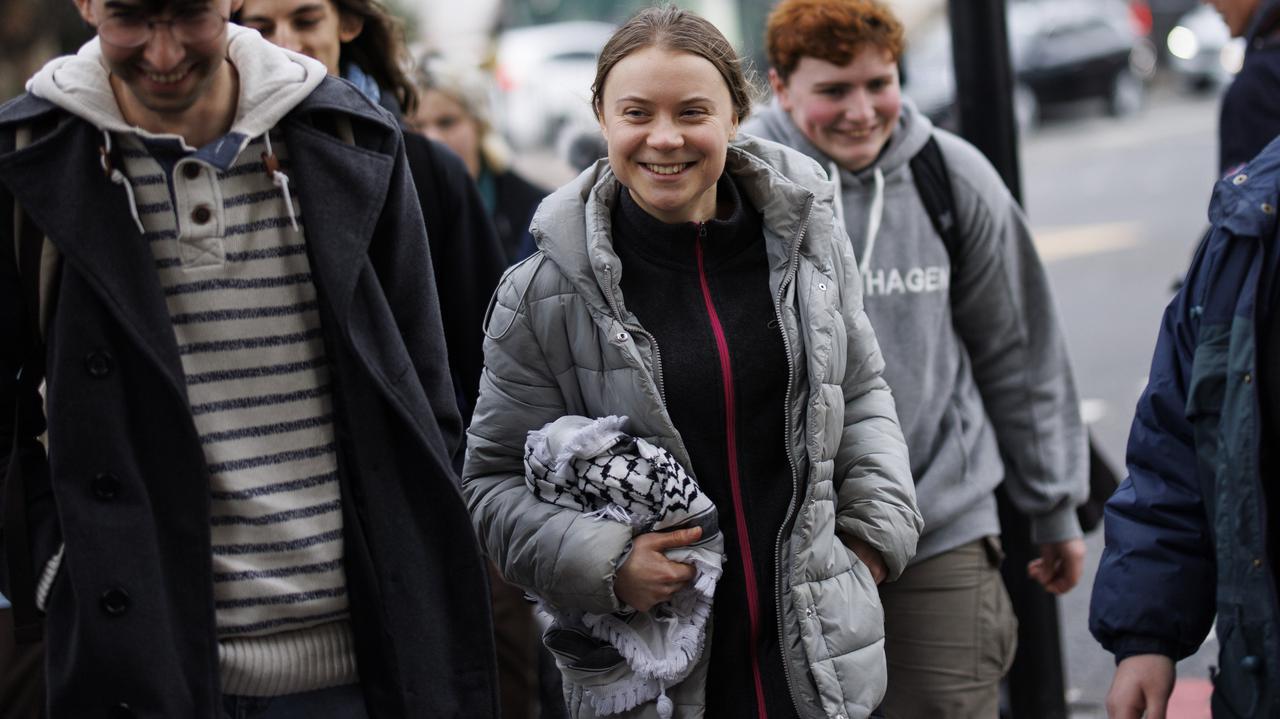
(636, 330)
(735, 479)
(790, 276)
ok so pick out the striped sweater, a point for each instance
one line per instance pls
(237, 282)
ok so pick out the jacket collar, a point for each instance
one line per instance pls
(573, 226)
(1245, 202)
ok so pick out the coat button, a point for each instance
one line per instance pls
(1248, 378)
(98, 364)
(201, 215)
(121, 711)
(1268, 208)
(1239, 179)
(115, 602)
(191, 170)
(1251, 664)
(105, 487)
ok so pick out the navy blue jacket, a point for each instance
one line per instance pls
(415, 579)
(1186, 532)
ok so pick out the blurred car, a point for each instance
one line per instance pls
(1061, 51)
(1201, 50)
(544, 75)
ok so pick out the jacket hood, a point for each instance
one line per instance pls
(572, 226)
(908, 137)
(272, 82)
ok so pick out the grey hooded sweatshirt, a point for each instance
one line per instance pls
(976, 361)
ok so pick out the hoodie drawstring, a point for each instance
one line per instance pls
(874, 216)
(119, 178)
(834, 170)
(279, 179)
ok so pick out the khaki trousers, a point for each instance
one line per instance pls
(950, 635)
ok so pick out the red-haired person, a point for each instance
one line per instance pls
(972, 350)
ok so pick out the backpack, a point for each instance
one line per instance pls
(933, 184)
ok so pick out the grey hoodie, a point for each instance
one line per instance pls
(975, 370)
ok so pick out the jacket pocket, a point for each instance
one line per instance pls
(1239, 680)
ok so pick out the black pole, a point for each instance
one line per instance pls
(984, 84)
(984, 103)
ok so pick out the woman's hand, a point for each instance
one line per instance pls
(868, 555)
(648, 577)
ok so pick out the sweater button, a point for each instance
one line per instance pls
(98, 364)
(191, 171)
(115, 602)
(1248, 378)
(201, 215)
(105, 487)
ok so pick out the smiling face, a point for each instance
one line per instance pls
(314, 28)
(668, 118)
(165, 82)
(847, 111)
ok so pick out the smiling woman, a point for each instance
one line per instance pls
(725, 252)
(355, 39)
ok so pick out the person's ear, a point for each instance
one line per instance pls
(349, 27)
(779, 88)
(85, 7)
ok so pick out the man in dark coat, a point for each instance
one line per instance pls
(246, 506)
(1190, 534)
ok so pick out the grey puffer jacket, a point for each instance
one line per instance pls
(561, 341)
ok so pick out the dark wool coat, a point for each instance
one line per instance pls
(465, 253)
(415, 579)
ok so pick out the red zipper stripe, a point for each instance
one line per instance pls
(735, 486)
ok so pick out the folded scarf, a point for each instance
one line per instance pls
(625, 659)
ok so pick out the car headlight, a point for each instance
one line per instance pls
(1183, 43)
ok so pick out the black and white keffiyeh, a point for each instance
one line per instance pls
(593, 466)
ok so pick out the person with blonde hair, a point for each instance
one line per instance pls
(455, 108)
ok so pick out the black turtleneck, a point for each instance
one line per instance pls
(663, 285)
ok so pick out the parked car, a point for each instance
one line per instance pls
(544, 75)
(1061, 51)
(1201, 50)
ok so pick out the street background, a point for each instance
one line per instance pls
(1117, 205)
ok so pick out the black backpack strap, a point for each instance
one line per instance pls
(933, 184)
